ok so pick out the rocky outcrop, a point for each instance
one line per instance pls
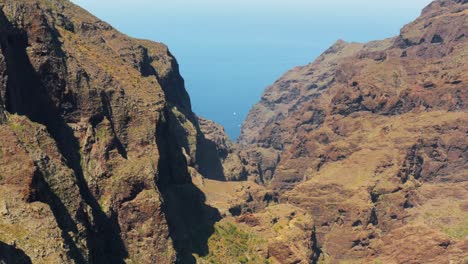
(219, 157)
(390, 77)
(97, 143)
(364, 138)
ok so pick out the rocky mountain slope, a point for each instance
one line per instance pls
(371, 141)
(97, 144)
(358, 157)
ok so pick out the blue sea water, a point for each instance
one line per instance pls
(230, 51)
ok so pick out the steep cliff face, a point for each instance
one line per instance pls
(358, 157)
(371, 140)
(422, 70)
(97, 143)
(218, 146)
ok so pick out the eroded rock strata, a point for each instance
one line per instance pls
(358, 157)
(371, 140)
(97, 143)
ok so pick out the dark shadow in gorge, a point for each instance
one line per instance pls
(191, 221)
(43, 193)
(209, 159)
(316, 249)
(207, 155)
(12, 254)
(27, 95)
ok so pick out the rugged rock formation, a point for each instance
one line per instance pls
(218, 146)
(371, 141)
(358, 157)
(97, 143)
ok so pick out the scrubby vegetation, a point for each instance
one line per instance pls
(233, 244)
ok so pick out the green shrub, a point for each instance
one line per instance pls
(233, 244)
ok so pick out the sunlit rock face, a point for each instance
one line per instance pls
(370, 139)
(97, 143)
(357, 157)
